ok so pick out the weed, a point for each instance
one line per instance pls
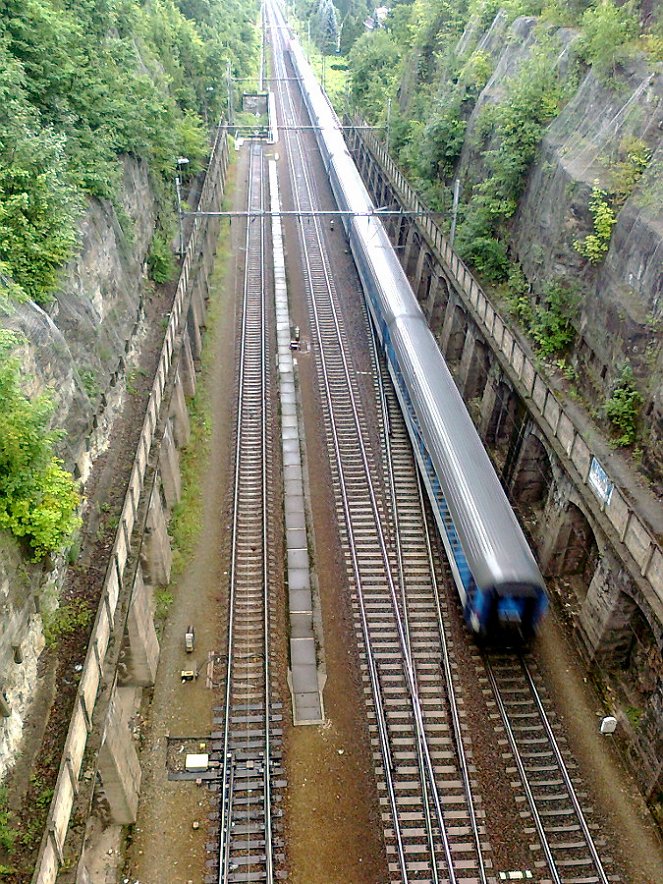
(553, 320)
(622, 408)
(634, 715)
(164, 600)
(89, 382)
(595, 245)
(65, 620)
(7, 832)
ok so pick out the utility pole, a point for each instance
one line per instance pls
(231, 112)
(388, 124)
(181, 161)
(454, 211)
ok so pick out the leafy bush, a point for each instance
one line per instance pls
(442, 141)
(517, 296)
(160, 260)
(65, 620)
(622, 408)
(595, 245)
(626, 171)
(486, 254)
(375, 65)
(7, 831)
(553, 320)
(608, 30)
(38, 498)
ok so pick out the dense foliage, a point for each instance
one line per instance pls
(83, 82)
(334, 25)
(426, 68)
(38, 498)
(623, 407)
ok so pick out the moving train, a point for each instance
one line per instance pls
(500, 586)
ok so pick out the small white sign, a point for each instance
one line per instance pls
(599, 482)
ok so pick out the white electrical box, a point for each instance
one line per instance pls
(608, 724)
(197, 762)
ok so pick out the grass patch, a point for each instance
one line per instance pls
(188, 513)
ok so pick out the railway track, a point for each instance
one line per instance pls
(433, 825)
(248, 745)
(428, 808)
(547, 776)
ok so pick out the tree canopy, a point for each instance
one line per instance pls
(83, 82)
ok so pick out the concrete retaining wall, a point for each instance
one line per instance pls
(115, 742)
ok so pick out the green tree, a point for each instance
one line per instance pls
(608, 31)
(374, 63)
(38, 498)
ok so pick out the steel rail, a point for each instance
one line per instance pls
(452, 702)
(538, 822)
(423, 775)
(451, 694)
(254, 247)
(596, 859)
(408, 668)
(374, 677)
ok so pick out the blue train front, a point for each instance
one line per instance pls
(499, 584)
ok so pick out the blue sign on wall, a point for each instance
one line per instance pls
(599, 482)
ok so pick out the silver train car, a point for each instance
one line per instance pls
(500, 586)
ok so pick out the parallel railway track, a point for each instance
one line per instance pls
(432, 826)
(546, 775)
(248, 750)
(428, 826)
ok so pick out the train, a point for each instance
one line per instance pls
(501, 589)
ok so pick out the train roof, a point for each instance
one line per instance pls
(495, 546)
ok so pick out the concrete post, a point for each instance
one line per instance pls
(187, 369)
(551, 524)
(419, 270)
(169, 467)
(409, 245)
(193, 328)
(156, 554)
(448, 325)
(429, 306)
(466, 358)
(143, 655)
(606, 615)
(118, 766)
(199, 295)
(179, 413)
(488, 404)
